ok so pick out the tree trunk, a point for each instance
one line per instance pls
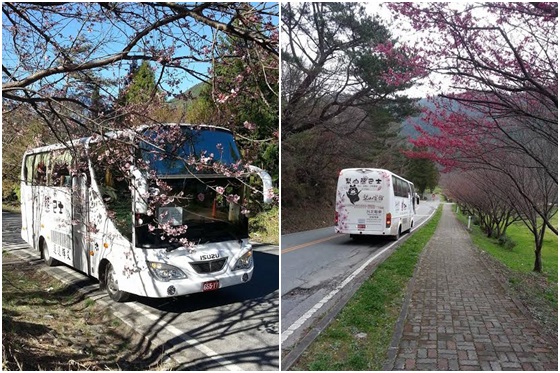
(538, 261)
(539, 238)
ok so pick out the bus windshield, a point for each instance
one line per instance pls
(207, 214)
(207, 209)
(182, 150)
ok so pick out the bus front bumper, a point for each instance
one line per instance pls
(154, 288)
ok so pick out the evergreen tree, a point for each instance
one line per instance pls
(423, 173)
(142, 87)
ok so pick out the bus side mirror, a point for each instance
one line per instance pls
(268, 191)
(140, 186)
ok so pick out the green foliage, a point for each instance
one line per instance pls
(142, 86)
(265, 226)
(254, 83)
(423, 173)
(506, 242)
(21, 129)
(305, 163)
(314, 95)
(202, 108)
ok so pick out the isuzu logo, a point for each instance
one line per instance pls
(209, 256)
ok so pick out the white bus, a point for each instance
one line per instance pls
(372, 201)
(99, 217)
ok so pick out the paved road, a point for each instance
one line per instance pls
(232, 329)
(460, 317)
(320, 267)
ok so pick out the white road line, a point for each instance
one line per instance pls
(228, 364)
(306, 316)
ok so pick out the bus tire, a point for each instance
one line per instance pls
(112, 285)
(45, 253)
(398, 235)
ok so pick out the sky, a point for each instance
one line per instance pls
(403, 31)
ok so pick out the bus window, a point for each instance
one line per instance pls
(40, 169)
(404, 188)
(59, 171)
(28, 169)
(398, 187)
(209, 215)
(113, 187)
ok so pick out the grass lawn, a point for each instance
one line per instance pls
(520, 260)
(522, 257)
(360, 335)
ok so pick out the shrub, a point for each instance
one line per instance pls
(506, 242)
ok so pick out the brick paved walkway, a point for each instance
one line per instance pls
(459, 316)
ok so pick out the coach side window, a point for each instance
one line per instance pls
(113, 185)
(59, 174)
(403, 188)
(400, 187)
(40, 169)
(28, 169)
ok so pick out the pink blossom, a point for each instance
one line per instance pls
(250, 126)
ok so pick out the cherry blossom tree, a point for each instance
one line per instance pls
(45, 65)
(499, 198)
(336, 57)
(483, 194)
(499, 109)
(67, 66)
(500, 60)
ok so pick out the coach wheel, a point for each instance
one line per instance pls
(49, 260)
(112, 285)
(411, 226)
(398, 235)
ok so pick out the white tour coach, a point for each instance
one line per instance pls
(372, 201)
(94, 216)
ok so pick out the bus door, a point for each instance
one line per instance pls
(29, 203)
(80, 244)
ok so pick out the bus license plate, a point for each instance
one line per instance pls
(211, 285)
(361, 227)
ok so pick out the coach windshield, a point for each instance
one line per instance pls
(199, 211)
(173, 151)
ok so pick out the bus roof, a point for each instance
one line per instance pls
(84, 141)
(369, 169)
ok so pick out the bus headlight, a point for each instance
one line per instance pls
(245, 262)
(165, 272)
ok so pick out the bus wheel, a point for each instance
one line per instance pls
(398, 235)
(112, 285)
(49, 260)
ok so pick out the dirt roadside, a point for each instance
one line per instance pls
(47, 325)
